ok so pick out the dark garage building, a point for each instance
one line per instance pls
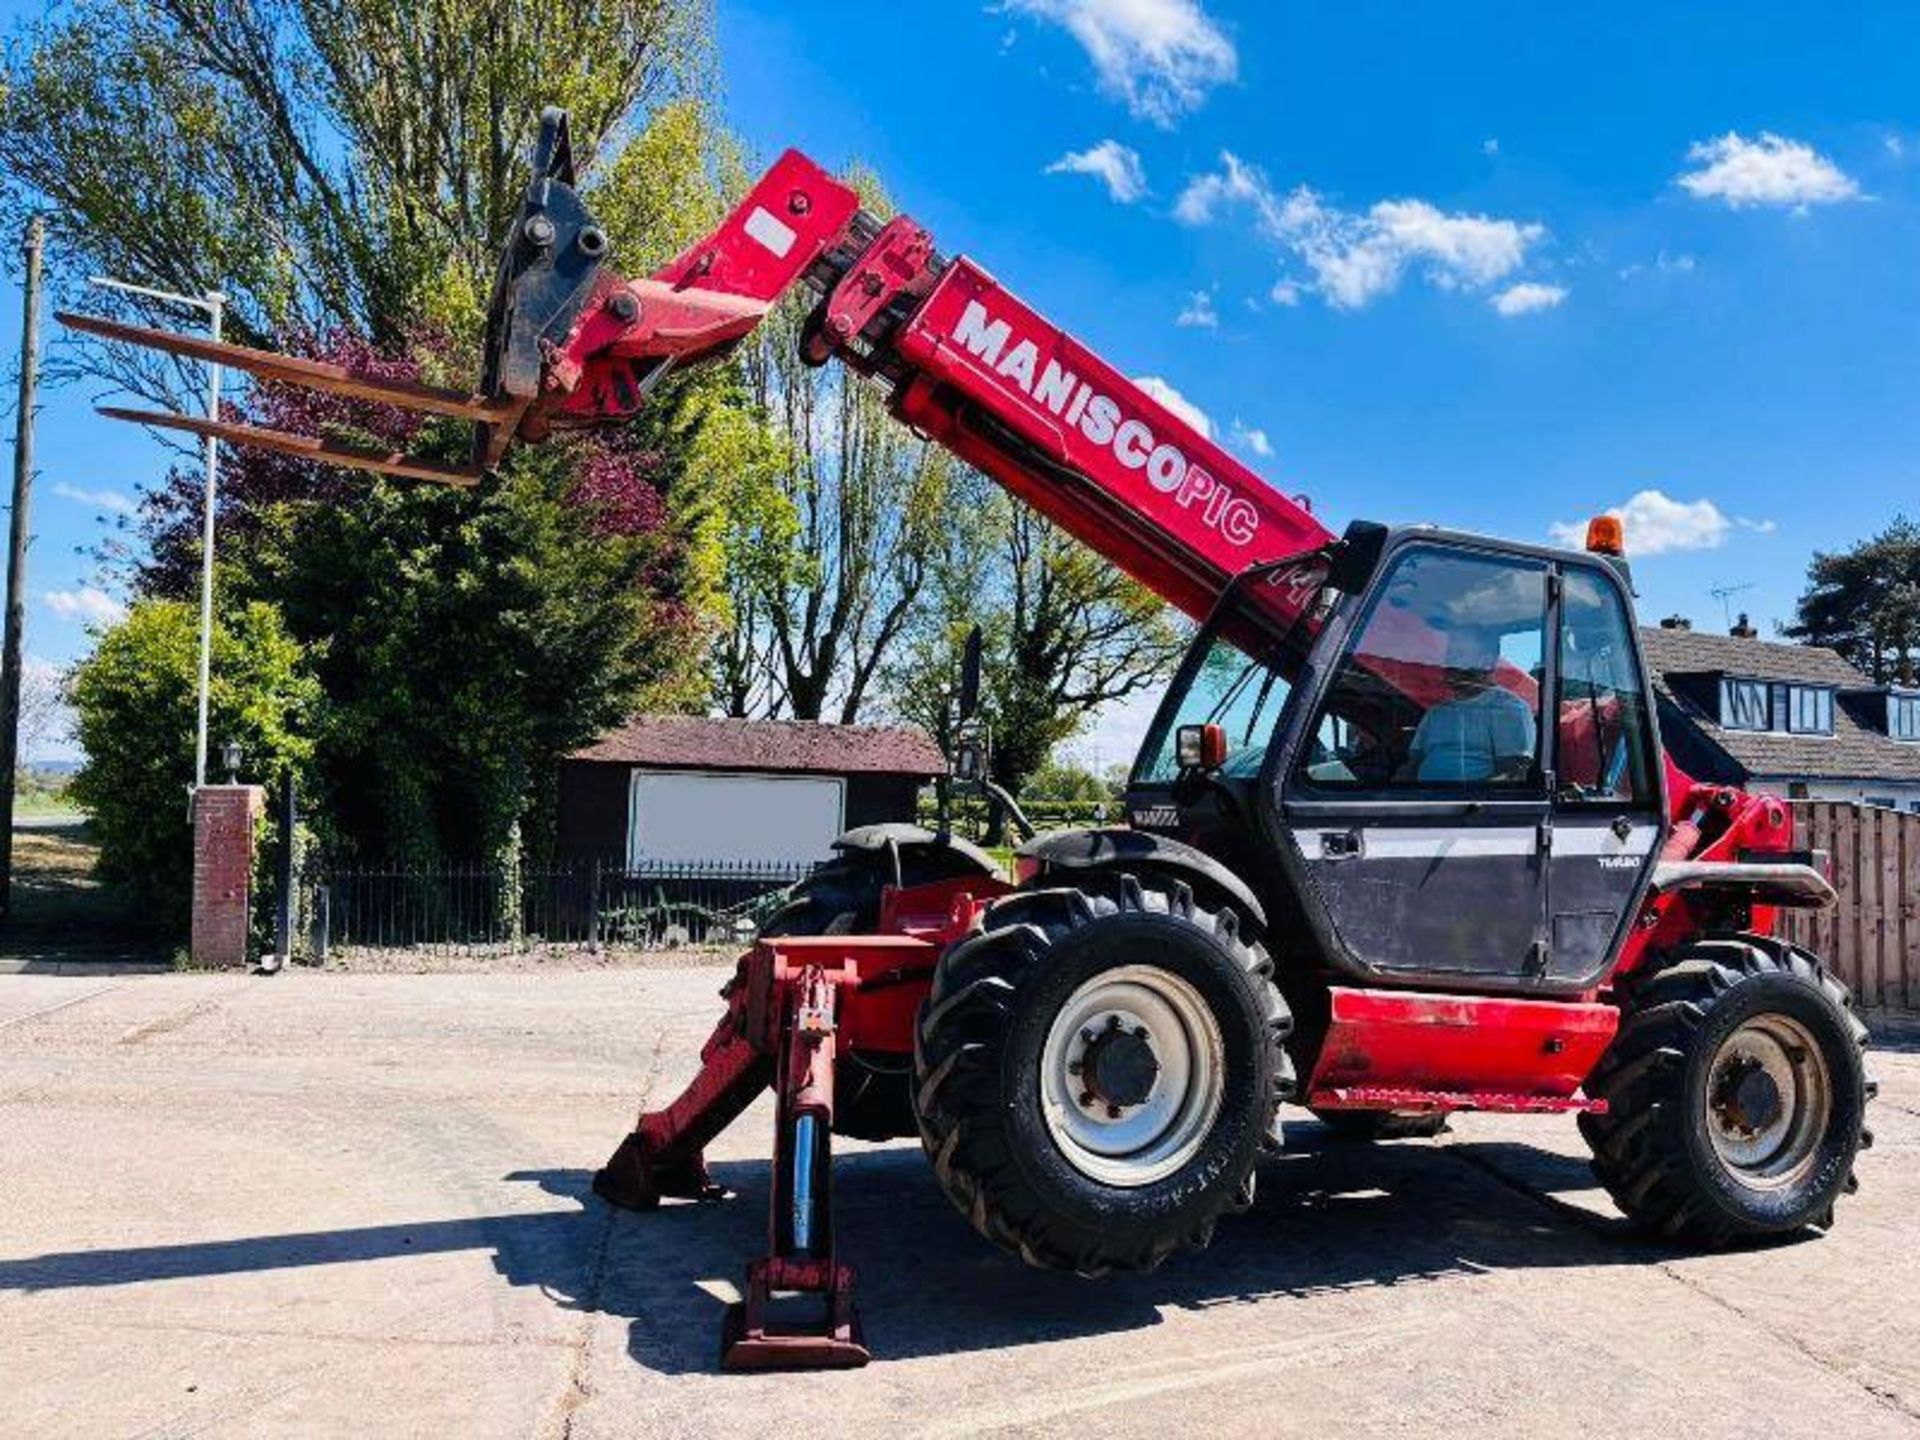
(665, 790)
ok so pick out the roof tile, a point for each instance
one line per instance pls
(1852, 752)
(691, 742)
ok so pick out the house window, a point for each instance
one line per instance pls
(1903, 717)
(1810, 710)
(1743, 705)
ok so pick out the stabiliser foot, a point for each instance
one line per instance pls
(631, 1180)
(751, 1340)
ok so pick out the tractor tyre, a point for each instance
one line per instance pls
(1097, 1070)
(1360, 1126)
(872, 1093)
(1736, 1094)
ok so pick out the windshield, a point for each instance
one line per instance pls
(1242, 668)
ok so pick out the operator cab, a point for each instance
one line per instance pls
(1432, 754)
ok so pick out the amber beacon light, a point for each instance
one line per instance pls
(1606, 535)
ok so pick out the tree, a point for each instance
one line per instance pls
(43, 711)
(346, 171)
(828, 560)
(1081, 634)
(466, 640)
(1865, 602)
(325, 163)
(135, 706)
(1063, 632)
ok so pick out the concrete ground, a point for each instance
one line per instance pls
(357, 1204)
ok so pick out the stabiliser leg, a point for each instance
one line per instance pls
(800, 1259)
(779, 1030)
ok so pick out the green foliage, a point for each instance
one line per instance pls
(345, 170)
(134, 702)
(325, 162)
(1865, 602)
(465, 642)
(1063, 632)
(1055, 781)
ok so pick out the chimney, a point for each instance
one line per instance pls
(1676, 622)
(1743, 628)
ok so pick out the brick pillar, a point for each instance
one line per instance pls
(223, 824)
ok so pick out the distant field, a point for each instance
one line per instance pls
(61, 912)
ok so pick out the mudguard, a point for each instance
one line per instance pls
(870, 838)
(1117, 848)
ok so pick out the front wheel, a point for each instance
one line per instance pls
(1097, 1070)
(1736, 1092)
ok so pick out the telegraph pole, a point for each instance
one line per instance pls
(17, 555)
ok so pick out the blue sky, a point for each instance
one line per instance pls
(1494, 266)
(1531, 262)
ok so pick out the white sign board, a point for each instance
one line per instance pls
(681, 816)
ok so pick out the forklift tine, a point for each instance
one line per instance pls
(306, 447)
(292, 370)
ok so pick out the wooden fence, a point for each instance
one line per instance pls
(1872, 938)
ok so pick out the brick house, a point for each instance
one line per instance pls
(1796, 720)
(671, 789)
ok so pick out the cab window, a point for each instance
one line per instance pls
(1605, 752)
(1440, 690)
(1233, 690)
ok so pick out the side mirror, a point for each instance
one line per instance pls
(1200, 747)
(970, 677)
(1356, 557)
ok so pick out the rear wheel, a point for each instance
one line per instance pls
(1097, 1070)
(872, 1092)
(1736, 1092)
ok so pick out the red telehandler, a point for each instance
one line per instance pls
(1403, 839)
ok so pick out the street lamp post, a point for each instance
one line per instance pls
(213, 303)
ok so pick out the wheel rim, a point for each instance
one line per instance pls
(1132, 1076)
(1767, 1099)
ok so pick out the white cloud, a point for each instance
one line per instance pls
(1254, 441)
(1176, 402)
(1161, 57)
(1358, 256)
(1286, 292)
(1663, 264)
(1527, 297)
(87, 604)
(113, 502)
(1111, 163)
(1490, 146)
(1896, 147)
(1198, 313)
(1771, 170)
(1234, 183)
(1657, 524)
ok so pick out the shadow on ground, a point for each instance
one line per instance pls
(64, 920)
(1328, 1217)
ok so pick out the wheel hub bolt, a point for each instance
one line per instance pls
(1086, 1098)
(1113, 1112)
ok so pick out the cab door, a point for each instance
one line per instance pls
(1418, 805)
(1608, 811)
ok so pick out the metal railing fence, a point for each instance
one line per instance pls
(476, 910)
